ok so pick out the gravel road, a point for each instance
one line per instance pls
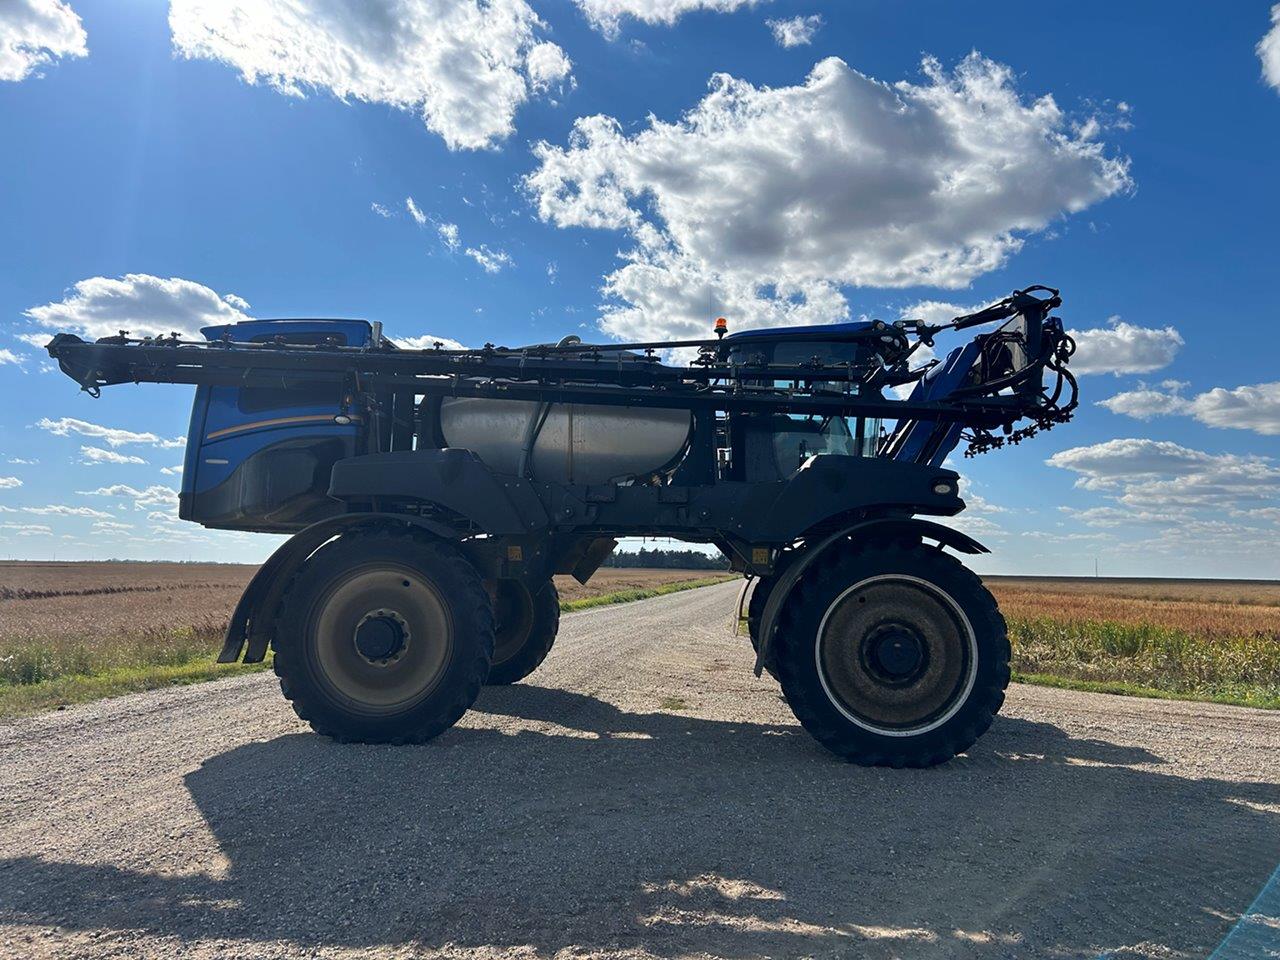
(642, 795)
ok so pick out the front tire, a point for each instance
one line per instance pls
(384, 638)
(892, 655)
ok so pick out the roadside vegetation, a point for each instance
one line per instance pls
(1197, 640)
(71, 633)
(641, 593)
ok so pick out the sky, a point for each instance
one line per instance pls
(516, 170)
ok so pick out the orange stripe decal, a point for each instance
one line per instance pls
(278, 422)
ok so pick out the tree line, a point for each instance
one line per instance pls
(666, 559)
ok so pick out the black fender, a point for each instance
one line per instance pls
(876, 527)
(253, 618)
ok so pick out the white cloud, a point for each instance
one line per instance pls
(1269, 50)
(606, 15)
(427, 342)
(419, 217)
(28, 529)
(93, 455)
(1159, 476)
(8, 356)
(449, 235)
(553, 271)
(156, 495)
(112, 436)
(491, 260)
(974, 525)
(172, 471)
(380, 210)
(173, 534)
(795, 31)
(1123, 347)
(547, 66)
(1117, 516)
(144, 305)
(34, 33)
(10, 483)
(23, 461)
(1190, 539)
(1146, 402)
(62, 510)
(111, 526)
(976, 503)
(659, 295)
(37, 340)
(1107, 464)
(1255, 407)
(764, 201)
(462, 65)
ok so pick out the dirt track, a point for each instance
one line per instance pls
(581, 813)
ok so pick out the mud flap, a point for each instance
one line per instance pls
(252, 621)
(742, 605)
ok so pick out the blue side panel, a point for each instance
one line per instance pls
(938, 384)
(231, 424)
(195, 433)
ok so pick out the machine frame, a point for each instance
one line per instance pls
(363, 459)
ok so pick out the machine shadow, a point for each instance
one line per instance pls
(597, 829)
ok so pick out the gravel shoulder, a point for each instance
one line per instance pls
(642, 795)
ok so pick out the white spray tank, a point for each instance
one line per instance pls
(567, 442)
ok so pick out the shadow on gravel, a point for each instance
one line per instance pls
(597, 829)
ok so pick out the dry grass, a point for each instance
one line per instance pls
(1264, 593)
(1227, 611)
(75, 619)
(125, 626)
(147, 623)
(619, 579)
(1213, 640)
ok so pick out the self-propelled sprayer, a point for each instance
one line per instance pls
(431, 494)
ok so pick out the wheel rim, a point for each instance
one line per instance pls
(513, 615)
(381, 639)
(896, 655)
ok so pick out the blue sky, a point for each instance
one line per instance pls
(435, 166)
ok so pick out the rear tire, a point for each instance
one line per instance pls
(384, 638)
(892, 655)
(527, 622)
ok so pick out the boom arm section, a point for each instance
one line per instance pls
(1003, 381)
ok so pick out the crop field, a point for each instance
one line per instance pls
(1198, 639)
(76, 631)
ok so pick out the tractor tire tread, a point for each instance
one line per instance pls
(542, 636)
(306, 701)
(812, 708)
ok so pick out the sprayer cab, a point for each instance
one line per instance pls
(491, 469)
